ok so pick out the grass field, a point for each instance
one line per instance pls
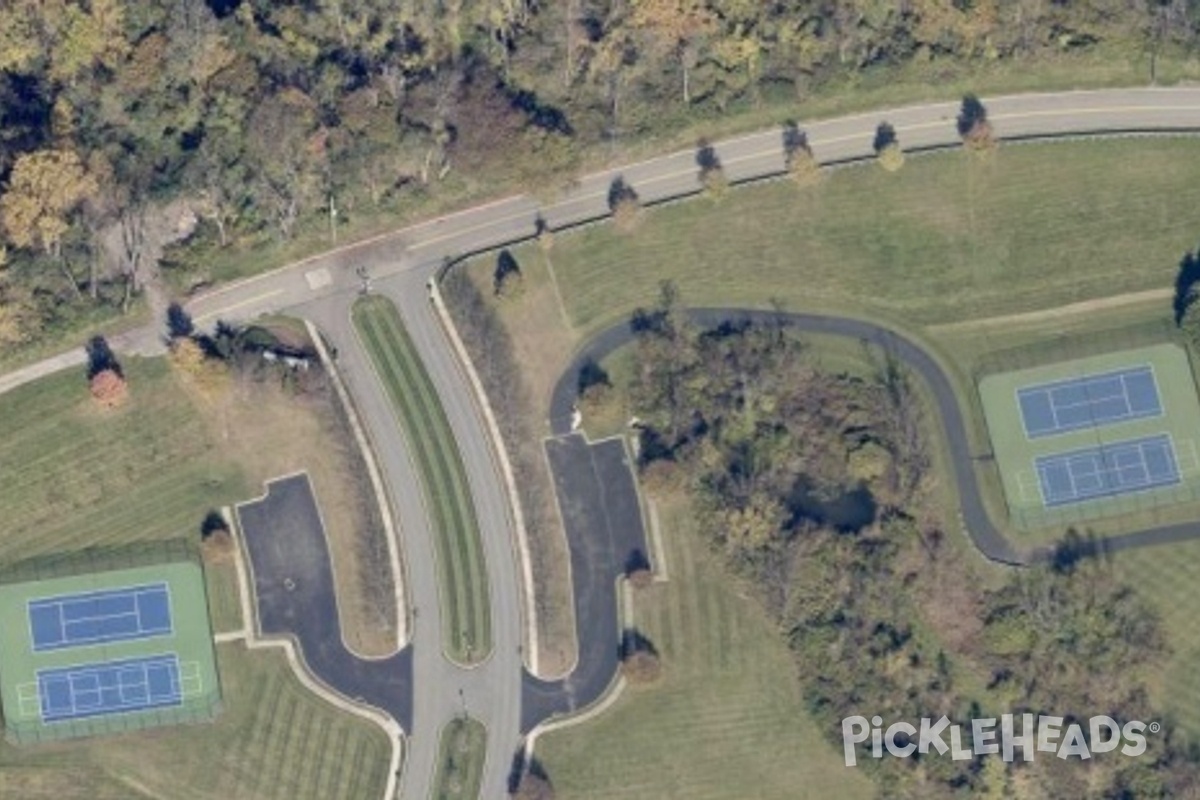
(725, 720)
(75, 476)
(947, 238)
(461, 752)
(273, 741)
(462, 582)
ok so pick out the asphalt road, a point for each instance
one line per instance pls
(324, 285)
(293, 586)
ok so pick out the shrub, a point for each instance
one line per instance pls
(108, 388)
(891, 157)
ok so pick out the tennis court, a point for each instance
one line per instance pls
(109, 687)
(1089, 401)
(1110, 469)
(89, 618)
(105, 640)
(1094, 436)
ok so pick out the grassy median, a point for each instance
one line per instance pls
(462, 577)
(461, 755)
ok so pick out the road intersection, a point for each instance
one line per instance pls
(323, 288)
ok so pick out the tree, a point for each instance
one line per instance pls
(678, 26)
(798, 156)
(624, 205)
(973, 125)
(19, 320)
(712, 173)
(639, 658)
(108, 388)
(44, 189)
(887, 147)
(216, 540)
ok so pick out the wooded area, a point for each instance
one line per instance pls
(266, 116)
(818, 488)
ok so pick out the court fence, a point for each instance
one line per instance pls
(1161, 506)
(33, 731)
(197, 707)
(1068, 347)
(99, 559)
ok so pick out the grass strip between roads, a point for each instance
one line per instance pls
(462, 579)
(461, 753)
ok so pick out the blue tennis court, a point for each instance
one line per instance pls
(90, 690)
(1112, 469)
(1089, 401)
(75, 620)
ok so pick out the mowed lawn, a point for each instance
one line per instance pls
(274, 740)
(462, 578)
(725, 720)
(949, 237)
(75, 476)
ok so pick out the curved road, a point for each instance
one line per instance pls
(324, 285)
(984, 535)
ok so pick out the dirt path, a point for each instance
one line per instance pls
(1074, 309)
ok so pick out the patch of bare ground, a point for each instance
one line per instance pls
(520, 345)
(273, 423)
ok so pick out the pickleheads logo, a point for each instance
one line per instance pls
(1047, 735)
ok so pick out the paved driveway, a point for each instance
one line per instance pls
(293, 584)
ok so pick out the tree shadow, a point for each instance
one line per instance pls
(885, 137)
(794, 140)
(522, 766)
(636, 562)
(633, 642)
(1185, 281)
(100, 358)
(1073, 548)
(213, 523)
(706, 157)
(506, 265)
(591, 374)
(620, 192)
(971, 113)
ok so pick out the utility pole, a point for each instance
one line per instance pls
(332, 219)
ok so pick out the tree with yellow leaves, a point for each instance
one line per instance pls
(678, 26)
(45, 188)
